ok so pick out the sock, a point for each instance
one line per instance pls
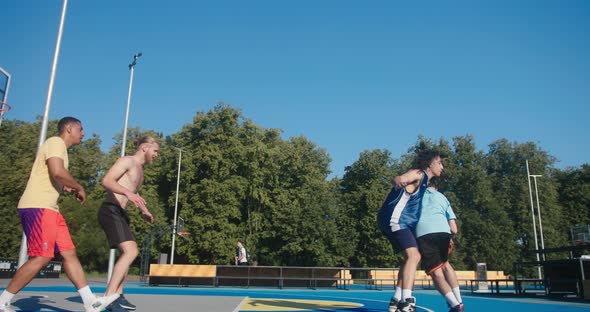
(398, 294)
(6, 297)
(457, 293)
(86, 294)
(406, 293)
(451, 300)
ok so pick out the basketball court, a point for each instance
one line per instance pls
(60, 295)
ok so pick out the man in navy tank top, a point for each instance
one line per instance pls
(398, 217)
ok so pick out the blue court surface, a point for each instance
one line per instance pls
(235, 299)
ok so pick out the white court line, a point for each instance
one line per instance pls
(237, 309)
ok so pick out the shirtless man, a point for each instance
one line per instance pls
(122, 182)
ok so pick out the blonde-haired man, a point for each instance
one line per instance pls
(122, 183)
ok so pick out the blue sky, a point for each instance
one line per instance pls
(349, 75)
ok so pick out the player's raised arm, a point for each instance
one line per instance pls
(407, 178)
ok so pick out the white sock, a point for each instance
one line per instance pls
(86, 294)
(406, 293)
(398, 294)
(451, 299)
(457, 293)
(6, 297)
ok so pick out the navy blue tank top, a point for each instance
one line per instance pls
(401, 210)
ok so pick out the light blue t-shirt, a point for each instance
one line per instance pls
(436, 213)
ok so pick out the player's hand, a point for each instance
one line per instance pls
(80, 195)
(397, 182)
(137, 200)
(147, 216)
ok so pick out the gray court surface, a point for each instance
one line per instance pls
(52, 294)
(71, 301)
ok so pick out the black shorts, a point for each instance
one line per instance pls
(434, 249)
(401, 239)
(115, 223)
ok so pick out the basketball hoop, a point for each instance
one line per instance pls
(4, 107)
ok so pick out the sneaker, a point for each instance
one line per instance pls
(6, 307)
(125, 304)
(409, 305)
(458, 308)
(100, 303)
(115, 307)
(393, 305)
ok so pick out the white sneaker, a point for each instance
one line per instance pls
(6, 308)
(100, 303)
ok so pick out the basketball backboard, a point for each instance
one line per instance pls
(4, 86)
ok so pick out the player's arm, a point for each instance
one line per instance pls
(110, 182)
(410, 177)
(453, 226)
(59, 173)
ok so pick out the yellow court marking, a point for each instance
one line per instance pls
(272, 304)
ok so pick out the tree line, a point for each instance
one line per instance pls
(242, 181)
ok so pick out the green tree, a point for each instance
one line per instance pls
(18, 144)
(574, 197)
(364, 186)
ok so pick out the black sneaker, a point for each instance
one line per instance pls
(393, 305)
(409, 305)
(115, 307)
(125, 304)
(458, 308)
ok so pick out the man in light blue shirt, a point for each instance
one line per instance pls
(434, 232)
(437, 214)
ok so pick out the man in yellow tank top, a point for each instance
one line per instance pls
(46, 230)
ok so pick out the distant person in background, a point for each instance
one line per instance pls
(434, 232)
(242, 257)
(398, 217)
(46, 230)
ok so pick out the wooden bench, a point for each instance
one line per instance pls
(183, 275)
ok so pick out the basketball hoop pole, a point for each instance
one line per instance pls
(123, 144)
(23, 257)
(5, 96)
(176, 203)
(533, 215)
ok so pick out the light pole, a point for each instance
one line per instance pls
(535, 176)
(533, 215)
(176, 204)
(123, 145)
(23, 257)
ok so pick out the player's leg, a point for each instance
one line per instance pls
(128, 254)
(74, 270)
(451, 278)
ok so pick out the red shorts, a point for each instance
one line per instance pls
(46, 230)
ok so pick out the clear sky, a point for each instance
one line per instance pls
(348, 75)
